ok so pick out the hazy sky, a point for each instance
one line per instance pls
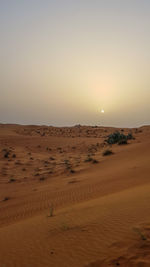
(62, 61)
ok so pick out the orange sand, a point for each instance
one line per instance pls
(101, 211)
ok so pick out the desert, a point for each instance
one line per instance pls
(74, 133)
(69, 198)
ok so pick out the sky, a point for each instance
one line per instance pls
(63, 61)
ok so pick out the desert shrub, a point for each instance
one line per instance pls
(95, 161)
(139, 232)
(107, 152)
(123, 142)
(130, 136)
(72, 171)
(6, 153)
(51, 211)
(51, 158)
(88, 159)
(42, 178)
(119, 138)
(46, 162)
(68, 166)
(48, 149)
(18, 162)
(6, 198)
(11, 180)
(65, 226)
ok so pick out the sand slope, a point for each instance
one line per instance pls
(101, 210)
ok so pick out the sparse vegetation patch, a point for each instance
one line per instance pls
(119, 138)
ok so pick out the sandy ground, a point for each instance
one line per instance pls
(100, 205)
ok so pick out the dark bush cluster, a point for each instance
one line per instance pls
(90, 159)
(119, 138)
(12, 180)
(107, 152)
(6, 152)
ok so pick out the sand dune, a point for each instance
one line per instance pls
(101, 203)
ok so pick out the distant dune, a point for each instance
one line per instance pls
(68, 198)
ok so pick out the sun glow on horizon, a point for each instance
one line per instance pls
(75, 61)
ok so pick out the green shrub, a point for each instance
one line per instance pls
(130, 136)
(119, 138)
(123, 142)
